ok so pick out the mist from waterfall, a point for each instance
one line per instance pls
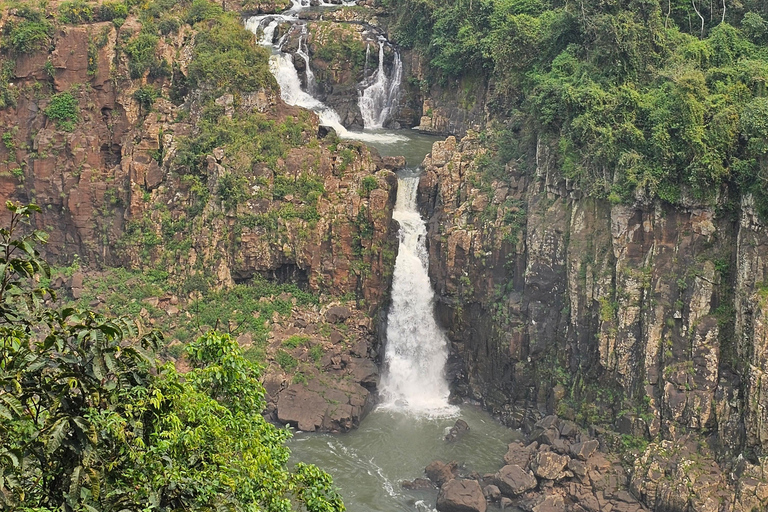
(416, 350)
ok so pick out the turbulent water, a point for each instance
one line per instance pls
(416, 350)
(377, 95)
(369, 463)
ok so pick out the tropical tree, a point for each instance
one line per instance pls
(90, 420)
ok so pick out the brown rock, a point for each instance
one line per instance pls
(337, 314)
(584, 450)
(439, 472)
(512, 480)
(461, 496)
(302, 408)
(552, 503)
(519, 454)
(419, 484)
(548, 465)
(492, 492)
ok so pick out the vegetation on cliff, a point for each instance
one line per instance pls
(643, 99)
(90, 420)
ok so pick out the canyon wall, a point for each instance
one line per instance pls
(644, 321)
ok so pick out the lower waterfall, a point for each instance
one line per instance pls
(416, 350)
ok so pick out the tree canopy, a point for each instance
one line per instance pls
(90, 420)
(642, 99)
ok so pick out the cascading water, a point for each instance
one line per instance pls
(379, 93)
(303, 52)
(416, 350)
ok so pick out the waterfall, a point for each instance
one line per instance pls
(282, 67)
(379, 92)
(417, 349)
(305, 55)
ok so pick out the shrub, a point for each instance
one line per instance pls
(202, 10)
(368, 184)
(295, 341)
(286, 361)
(63, 110)
(146, 96)
(28, 35)
(110, 11)
(141, 52)
(75, 11)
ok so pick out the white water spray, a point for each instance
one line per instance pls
(379, 92)
(417, 349)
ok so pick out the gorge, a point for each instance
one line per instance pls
(582, 245)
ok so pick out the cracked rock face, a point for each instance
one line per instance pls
(557, 301)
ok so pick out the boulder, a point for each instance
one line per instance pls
(519, 454)
(549, 465)
(492, 492)
(419, 484)
(512, 480)
(457, 431)
(584, 450)
(337, 314)
(461, 496)
(552, 503)
(439, 472)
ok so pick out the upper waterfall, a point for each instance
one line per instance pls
(379, 93)
(377, 96)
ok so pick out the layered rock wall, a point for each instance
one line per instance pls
(645, 318)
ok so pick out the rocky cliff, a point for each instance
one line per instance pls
(144, 156)
(644, 320)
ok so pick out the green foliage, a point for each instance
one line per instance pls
(146, 96)
(639, 102)
(232, 190)
(8, 94)
(295, 341)
(109, 11)
(226, 45)
(76, 11)
(91, 421)
(141, 52)
(339, 44)
(286, 361)
(368, 184)
(29, 34)
(63, 110)
(201, 10)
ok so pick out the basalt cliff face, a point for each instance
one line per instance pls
(646, 319)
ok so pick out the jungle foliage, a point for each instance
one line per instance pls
(642, 99)
(91, 421)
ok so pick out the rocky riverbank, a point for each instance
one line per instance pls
(558, 468)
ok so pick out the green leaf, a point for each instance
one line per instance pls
(74, 487)
(58, 433)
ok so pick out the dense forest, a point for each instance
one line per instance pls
(643, 99)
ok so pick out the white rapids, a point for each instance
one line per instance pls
(416, 350)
